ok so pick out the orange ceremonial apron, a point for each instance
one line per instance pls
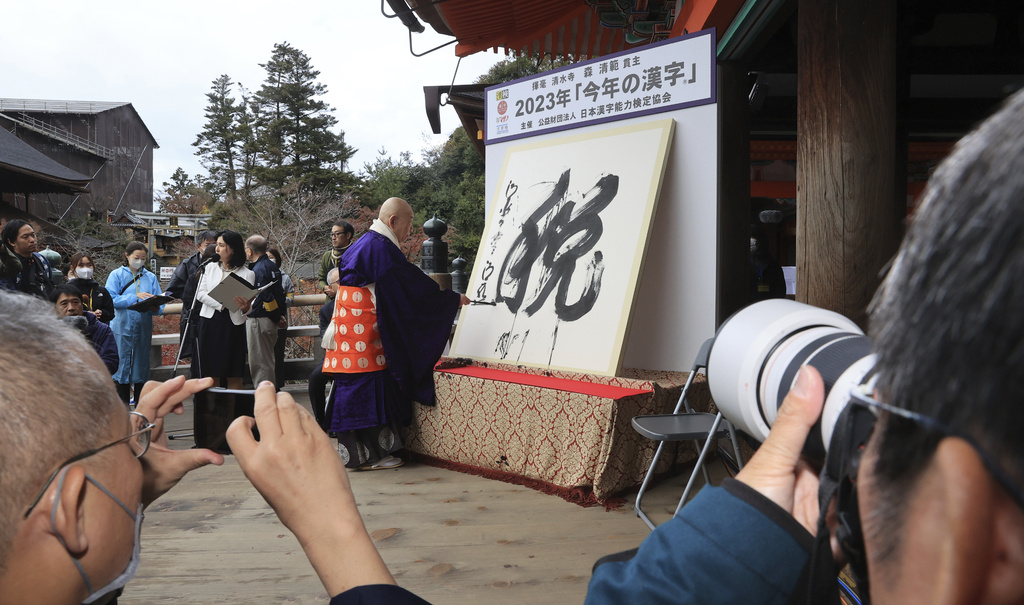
(356, 340)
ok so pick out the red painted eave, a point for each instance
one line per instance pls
(561, 27)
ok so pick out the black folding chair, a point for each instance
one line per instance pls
(682, 426)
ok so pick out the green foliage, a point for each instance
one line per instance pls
(184, 195)
(519, 67)
(219, 145)
(449, 182)
(276, 153)
(281, 136)
(386, 177)
(293, 127)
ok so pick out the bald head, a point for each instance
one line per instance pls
(394, 206)
(257, 243)
(397, 214)
(255, 247)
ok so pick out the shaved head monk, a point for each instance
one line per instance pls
(390, 325)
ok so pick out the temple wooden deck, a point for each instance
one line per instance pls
(449, 537)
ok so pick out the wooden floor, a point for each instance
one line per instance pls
(449, 537)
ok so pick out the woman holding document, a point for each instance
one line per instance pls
(130, 285)
(220, 350)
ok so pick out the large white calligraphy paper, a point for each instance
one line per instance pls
(563, 250)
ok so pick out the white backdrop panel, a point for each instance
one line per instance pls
(675, 306)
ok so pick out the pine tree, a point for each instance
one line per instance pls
(219, 143)
(293, 127)
(184, 195)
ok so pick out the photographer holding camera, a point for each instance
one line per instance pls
(933, 512)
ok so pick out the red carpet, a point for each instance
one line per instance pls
(548, 382)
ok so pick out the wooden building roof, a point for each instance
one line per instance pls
(25, 170)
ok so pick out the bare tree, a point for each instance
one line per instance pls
(295, 220)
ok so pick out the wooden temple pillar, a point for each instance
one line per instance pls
(851, 195)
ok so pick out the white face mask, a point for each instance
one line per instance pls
(136, 263)
(84, 272)
(753, 244)
(133, 564)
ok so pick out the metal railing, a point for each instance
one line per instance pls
(63, 135)
(294, 369)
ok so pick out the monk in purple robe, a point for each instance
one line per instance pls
(390, 325)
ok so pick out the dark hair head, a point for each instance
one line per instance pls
(133, 246)
(10, 231)
(273, 251)
(346, 227)
(233, 241)
(204, 236)
(947, 325)
(68, 289)
(77, 258)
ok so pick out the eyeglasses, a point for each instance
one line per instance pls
(138, 441)
(853, 434)
(861, 398)
(337, 233)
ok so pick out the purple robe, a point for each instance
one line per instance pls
(415, 319)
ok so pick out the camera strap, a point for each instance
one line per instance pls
(837, 486)
(128, 285)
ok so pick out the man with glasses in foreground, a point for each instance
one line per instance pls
(77, 468)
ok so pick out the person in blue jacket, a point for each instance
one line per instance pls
(129, 284)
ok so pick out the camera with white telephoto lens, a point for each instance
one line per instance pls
(753, 363)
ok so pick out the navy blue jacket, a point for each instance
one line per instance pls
(729, 545)
(103, 341)
(270, 302)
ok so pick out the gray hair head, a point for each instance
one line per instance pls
(56, 401)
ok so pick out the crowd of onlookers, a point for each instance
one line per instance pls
(116, 314)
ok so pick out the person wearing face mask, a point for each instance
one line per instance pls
(129, 284)
(78, 471)
(183, 285)
(97, 299)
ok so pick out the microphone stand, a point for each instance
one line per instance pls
(191, 314)
(181, 341)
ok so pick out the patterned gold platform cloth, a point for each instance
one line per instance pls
(579, 442)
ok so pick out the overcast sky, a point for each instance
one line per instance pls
(162, 57)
